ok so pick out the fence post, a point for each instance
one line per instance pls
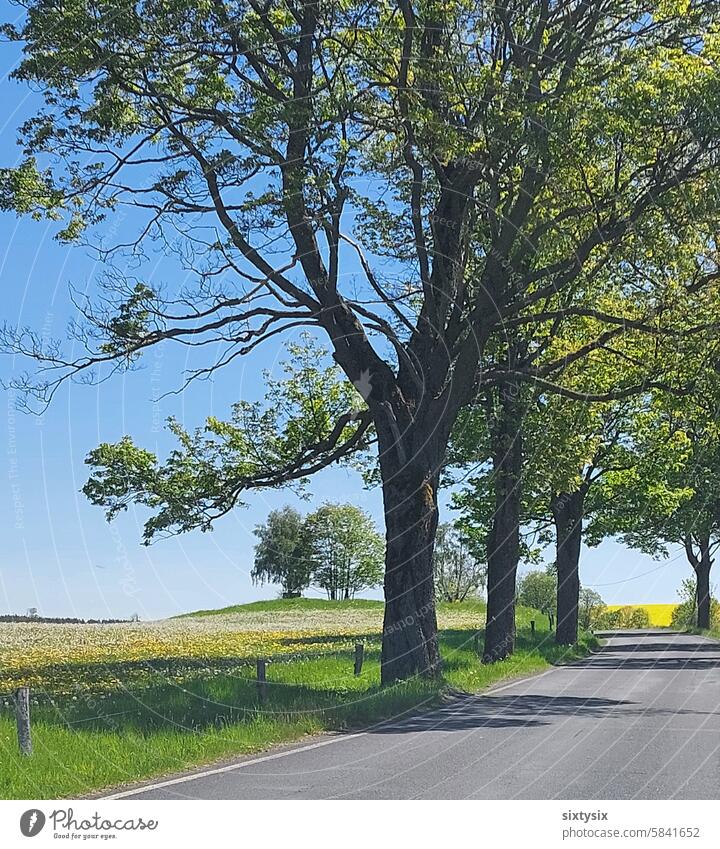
(359, 654)
(22, 712)
(477, 642)
(552, 621)
(532, 627)
(261, 680)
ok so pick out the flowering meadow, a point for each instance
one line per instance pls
(58, 660)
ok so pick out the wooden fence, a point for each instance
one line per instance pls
(21, 697)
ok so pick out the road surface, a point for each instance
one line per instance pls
(638, 720)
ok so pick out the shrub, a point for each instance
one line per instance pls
(639, 618)
(624, 617)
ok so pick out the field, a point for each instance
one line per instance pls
(115, 703)
(660, 614)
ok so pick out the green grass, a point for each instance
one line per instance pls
(88, 742)
(289, 604)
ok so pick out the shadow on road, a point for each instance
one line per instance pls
(658, 650)
(655, 650)
(522, 711)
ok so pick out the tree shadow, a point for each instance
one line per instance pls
(521, 711)
(648, 652)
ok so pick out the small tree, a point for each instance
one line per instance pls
(457, 572)
(347, 550)
(283, 554)
(538, 589)
(590, 606)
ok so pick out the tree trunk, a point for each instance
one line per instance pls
(503, 548)
(702, 571)
(410, 641)
(567, 509)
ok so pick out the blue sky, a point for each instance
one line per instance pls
(58, 553)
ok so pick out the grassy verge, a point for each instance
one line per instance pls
(89, 741)
(713, 633)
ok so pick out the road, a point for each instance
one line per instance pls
(640, 719)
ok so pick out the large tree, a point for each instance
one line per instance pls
(414, 180)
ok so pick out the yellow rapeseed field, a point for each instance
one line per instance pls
(660, 614)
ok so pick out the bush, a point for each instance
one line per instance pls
(639, 618)
(624, 617)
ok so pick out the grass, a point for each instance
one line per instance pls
(90, 739)
(289, 604)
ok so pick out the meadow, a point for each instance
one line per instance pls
(116, 703)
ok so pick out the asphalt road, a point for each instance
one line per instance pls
(638, 720)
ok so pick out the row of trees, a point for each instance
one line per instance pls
(336, 548)
(486, 210)
(644, 469)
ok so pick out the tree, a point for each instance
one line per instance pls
(491, 159)
(590, 605)
(685, 615)
(538, 589)
(568, 446)
(670, 494)
(347, 550)
(623, 617)
(283, 554)
(457, 572)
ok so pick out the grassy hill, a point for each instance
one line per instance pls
(466, 614)
(285, 604)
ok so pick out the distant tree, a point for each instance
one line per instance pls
(538, 589)
(684, 616)
(283, 554)
(591, 604)
(457, 572)
(347, 550)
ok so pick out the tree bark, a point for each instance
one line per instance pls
(567, 509)
(702, 571)
(503, 548)
(410, 640)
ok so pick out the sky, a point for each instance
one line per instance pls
(58, 553)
